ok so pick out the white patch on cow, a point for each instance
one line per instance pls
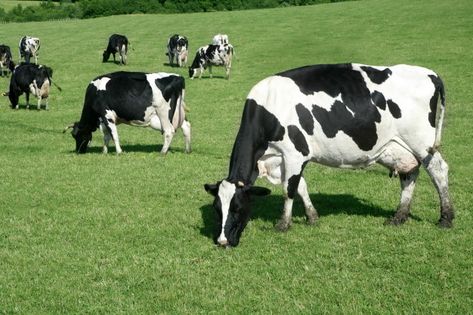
(101, 84)
(226, 192)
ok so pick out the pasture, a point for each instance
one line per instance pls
(132, 233)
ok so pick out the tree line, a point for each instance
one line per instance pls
(83, 9)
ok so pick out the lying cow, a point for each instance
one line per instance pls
(134, 98)
(178, 46)
(211, 55)
(6, 61)
(33, 79)
(116, 44)
(347, 116)
(29, 47)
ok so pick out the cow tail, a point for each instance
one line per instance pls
(440, 89)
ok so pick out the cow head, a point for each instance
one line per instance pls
(106, 55)
(83, 136)
(232, 206)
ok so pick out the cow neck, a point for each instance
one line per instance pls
(88, 118)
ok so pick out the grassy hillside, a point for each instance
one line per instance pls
(132, 233)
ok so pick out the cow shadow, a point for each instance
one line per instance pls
(269, 209)
(174, 65)
(133, 148)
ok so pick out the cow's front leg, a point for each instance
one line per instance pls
(210, 70)
(39, 102)
(27, 100)
(111, 129)
(106, 137)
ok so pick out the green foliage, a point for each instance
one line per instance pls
(131, 234)
(93, 8)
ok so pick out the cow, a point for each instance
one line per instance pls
(29, 47)
(220, 39)
(340, 115)
(178, 46)
(116, 44)
(134, 98)
(211, 55)
(6, 60)
(33, 79)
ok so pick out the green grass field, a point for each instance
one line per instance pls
(132, 234)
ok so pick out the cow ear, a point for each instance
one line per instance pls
(259, 191)
(211, 189)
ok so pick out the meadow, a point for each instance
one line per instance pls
(98, 233)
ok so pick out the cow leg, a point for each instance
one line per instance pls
(110, 128)
(290, 183)
(227, 69)
(310, 212)
(46, 101)
(167, 128)
(408, 183)
(186, 130)
(210, 70)
(39, 102)
(437, 168)
(27, 96)
(106, 137)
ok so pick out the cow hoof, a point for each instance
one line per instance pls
(396, 220)
(282, 226)
(445, 223)
(311, 220)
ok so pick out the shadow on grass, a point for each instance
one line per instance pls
(270, 209)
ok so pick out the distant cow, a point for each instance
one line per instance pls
(116, 44)
(178, 46)
(30, 79)
(346, 116)
(211, 55)
(134, 98)
(29, 47)
(220, 39)
(6, 61)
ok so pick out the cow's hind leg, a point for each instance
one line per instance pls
(408, 183)
(290, 183)
(310, 212)
(186, 130)
(437, 168)
(110, 128)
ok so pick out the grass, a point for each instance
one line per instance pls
(132, 234)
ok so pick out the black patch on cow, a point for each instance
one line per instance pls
(258, 127)
(362, 129)
(439, 91)
(298, 139)
(378, 99)
(394, 109)
(375, 75)
(305, 119)
(171, 87)
(293, 182)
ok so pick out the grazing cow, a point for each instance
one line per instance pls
(5, 59)
(178, 49)
(116, 44)
(29, 47)
(134, 98)
(30, 78)
(211, 55)
(220, 39)
(347, 116)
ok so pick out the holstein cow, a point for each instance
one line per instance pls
(116, 44)
(178, 49)
(29, 47)
(211, 55)
(6, 59)
(345, 115)
(134, 98)
(30, 78)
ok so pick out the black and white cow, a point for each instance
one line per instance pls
(29, 47)
(33, 79)
(211, 55)
(116, 44)
(6, 61)
(178, 46)
(345, 115)
(153, 100)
